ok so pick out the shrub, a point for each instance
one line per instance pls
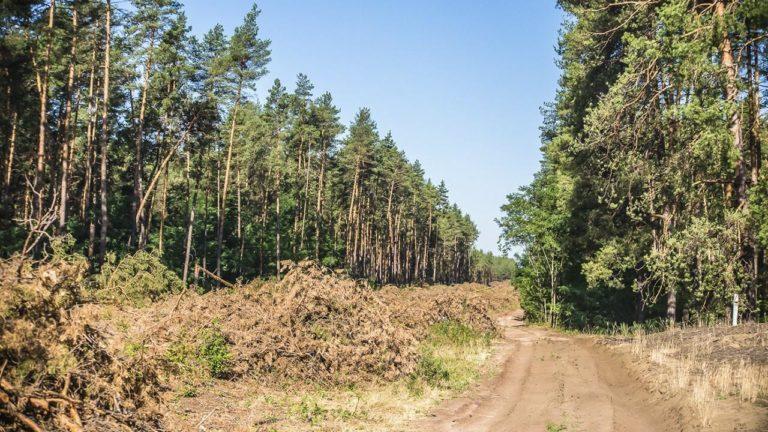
(432, 370)
(207, 355)
(214, 352)
(137, 279)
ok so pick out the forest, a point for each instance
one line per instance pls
(124, 132)
(650, 201)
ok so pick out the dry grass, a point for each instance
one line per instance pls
(705, 366)
(250, 405)
(315, 351)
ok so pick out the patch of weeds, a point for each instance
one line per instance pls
(133, 349)
(450, 358)
(310, 411)
(320, 333)
(214, 352)
(433, 370)
(556, 427)
(345, 414)
(122, 325)
(180, 354)
(188, 391)
(456, 333)
(207, 353)
(430, 371)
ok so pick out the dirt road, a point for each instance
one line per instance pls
(550, 382)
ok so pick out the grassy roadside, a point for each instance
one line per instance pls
(719, 374)
(451, 358)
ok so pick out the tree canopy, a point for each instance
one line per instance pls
(650, 197)
(127, 132)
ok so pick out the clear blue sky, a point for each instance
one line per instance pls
(459, 83)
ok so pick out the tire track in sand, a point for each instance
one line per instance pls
(550, 380)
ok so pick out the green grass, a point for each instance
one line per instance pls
(309, 410)
(449, 357)
(556, 427)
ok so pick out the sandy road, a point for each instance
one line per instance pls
(551, 382)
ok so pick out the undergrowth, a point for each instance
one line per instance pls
(137, 279)
(449, 357)
(201, 356)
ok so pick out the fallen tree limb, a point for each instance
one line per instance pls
(213, 276)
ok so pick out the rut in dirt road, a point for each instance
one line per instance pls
(549, 381)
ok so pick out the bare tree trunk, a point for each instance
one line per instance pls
(239, 228)
(263, 233)
(277, 225)
(319, 204)
(306, 197)
(11, 150)
(42, 81)
(89, 136)
(138, 228)
(205, 225)
(163, 211)
(672, 294)
(223, 205)
(192, 198)
(66, 149)
(104, 138)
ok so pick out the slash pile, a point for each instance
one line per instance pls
(74, 359)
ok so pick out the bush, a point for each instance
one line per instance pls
(214, 352)
(432, 370)
(137, 279)
(207, 355)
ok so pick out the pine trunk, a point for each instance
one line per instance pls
(104, 139)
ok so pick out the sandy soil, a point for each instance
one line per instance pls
(551, 382)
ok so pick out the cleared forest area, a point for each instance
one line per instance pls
(186, 247)
(315, 349)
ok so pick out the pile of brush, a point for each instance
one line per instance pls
(56, 373)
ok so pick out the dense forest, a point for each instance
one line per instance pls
(650, 201)
(124, 132)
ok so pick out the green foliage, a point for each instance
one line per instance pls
(644, 206)
(214, 352)
(182, 120)
(206, 352)
(432, 370)
(309, 410)
(556, 427)
(487, 267)
(456, 334)
(449, 357)
(137, 279)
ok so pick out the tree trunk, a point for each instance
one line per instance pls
(89, 135)
(42, 82)
(11, 150)
(137, 228)
(731, 93)
(65, 148)
(319, 204)
(163, 211)
(277, 225)
(192, 199)
(306, 198)
(104, 138)
(223, 205)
